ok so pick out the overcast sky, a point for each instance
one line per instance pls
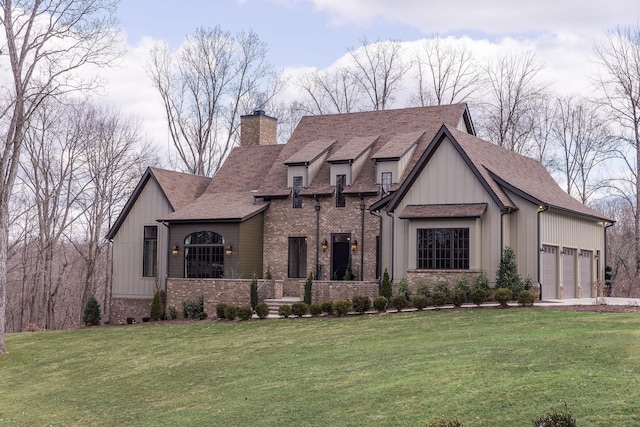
(316, 33)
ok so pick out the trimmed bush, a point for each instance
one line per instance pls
(420, 302)
(385, 285)
(299, 309)
(262, 310)
(481, 281)
(403, 289)
(245, 313)
(315, 309)
(284, 310)
(439, 299)
(463, 285)
(254, 292)
(203, 315)
(193, 309)
(327, 307)
(361, 303)
(399, 302)
(458, 297)
(479, 296)
(342, 307)
(556, 419)
(307, 289)
(92, 316)
(173, 313)
(526, 298)
(446, 422)
(423, 289)
(156, 307)
(503, 295)
(146, 319)
(220, 308)
(230, 312)
(380, 303)
(443, 286)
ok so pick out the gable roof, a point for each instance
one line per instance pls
(230, 194)
(344, 128)
(499, 170)
(178, 188)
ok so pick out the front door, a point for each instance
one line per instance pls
(339, 255)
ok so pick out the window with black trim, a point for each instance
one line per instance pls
(204, 255)
(297, 186)
(386, 182)
(341, 199)
(443, 249)
(150, 251)
(297, 257)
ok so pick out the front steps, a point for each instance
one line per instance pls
(275, 303)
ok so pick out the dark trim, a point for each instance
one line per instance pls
(380, 204)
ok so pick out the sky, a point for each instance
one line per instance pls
(303, 34)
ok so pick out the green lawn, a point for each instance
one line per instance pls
(490, 367)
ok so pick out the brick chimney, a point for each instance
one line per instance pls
(257, 129)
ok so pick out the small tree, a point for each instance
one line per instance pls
(254, 292)
(92, 314)
(403, 289)
(156, 306)
(385, 285)
(507, 274)
(481, 281)
(307, 289)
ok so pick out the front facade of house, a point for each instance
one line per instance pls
(412, 191)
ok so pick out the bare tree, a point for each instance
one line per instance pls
(619, 57)
(205, 87)
(379, 69)
(446, 73)
(329, 92)
(512, 102)
(46, 44)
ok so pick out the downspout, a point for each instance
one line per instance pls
(605, 247)
(379, 254)
(317, 208)
(166, 273)
(540, 210)
(362, 238)
(393, 242)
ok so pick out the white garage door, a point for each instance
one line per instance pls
(586, 277)
(549, 272)
(569, 273)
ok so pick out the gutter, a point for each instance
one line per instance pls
(379, 254)
(540, 210)
(393, 242)
(605, 246)
(362, 238)
(317, 208)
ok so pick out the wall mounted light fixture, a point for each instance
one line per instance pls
(325, 245)
(229, 250)
(175, 250)
(354, 245)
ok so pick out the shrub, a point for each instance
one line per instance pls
(399, 302)
(479, 296)
(380, 303)
(507, 274)
(526, 298)
(146, 319)
(463, 285)
(230, 312)
(156, 307)
(556, 419)
(420, 302)
(254, 292)
(423, 289)
(342, 307)
(458, 297)
(439, 299)
(442, 286)
(220, 308)
(503, 295)
(527, 283)
(299, 309)
(446, 422)
(203, 315)
(385, 285)
(481, 281)
(92, 316)
(284, 310)
(173, 313)
(192, 309)
(403, 289)
(361, 303)
(262, 310)
(245, 313)
(307, 289)
(315, 309)
(327, 307)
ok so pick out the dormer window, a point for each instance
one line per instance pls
(297, 186)
(341, 199)
(386, 182)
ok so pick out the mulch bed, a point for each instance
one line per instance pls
(600, 308)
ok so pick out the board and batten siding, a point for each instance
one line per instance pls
(128, 244)
(522, 236)
(447, 179)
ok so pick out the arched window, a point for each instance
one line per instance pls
(204, 255)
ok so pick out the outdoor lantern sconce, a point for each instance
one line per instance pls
(325, 245)
(229, 250)
(175, 250)
(354, 245)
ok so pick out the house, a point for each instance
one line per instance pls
(413, 191)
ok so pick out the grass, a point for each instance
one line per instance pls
(488, 367)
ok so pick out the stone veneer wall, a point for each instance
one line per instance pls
(432, 277)
(335, 290)
(121, 308)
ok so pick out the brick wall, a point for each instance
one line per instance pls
(432, 277)
(121, 308)
(258, 129)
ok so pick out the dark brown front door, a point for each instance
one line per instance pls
(340, 255)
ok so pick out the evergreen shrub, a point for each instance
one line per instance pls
(458, 297)
(399, 302)
(262, 310)
(342, 307)
(380, 303)
(503, 295)
(361, 303)
(299, 309)
(315, 309)
(92, 316)
(284, 310)
(245, 313)
(420, 302)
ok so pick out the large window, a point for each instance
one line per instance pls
(150, 251)
(443, 249)
(297, 186)
(386, 182)
(341, 200)
(204, 255)
(297, 257)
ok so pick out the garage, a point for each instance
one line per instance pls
(586, 275)
(549, 272)
(569, 273)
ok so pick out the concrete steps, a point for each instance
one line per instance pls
(275, 303)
